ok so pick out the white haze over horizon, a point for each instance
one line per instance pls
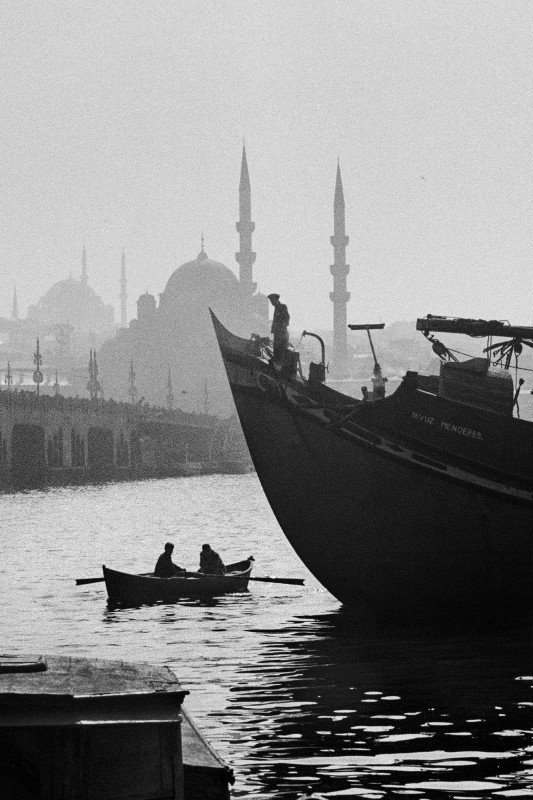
(123, 122)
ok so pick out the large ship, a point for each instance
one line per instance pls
(421, 501)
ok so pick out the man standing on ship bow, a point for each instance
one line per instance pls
(280, 325)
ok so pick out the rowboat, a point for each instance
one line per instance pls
(126, 588)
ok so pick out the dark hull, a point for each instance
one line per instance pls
(127, 589)
(383, 517)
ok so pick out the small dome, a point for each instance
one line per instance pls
(200, 277)
(146, 306)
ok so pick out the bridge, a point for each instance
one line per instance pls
(55, 440)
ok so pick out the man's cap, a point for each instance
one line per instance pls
(273, 296)
(169, 546)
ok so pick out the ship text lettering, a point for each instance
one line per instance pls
(423, 418)
(449, 426)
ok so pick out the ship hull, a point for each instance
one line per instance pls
(380, 524)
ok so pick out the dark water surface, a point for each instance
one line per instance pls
(290, 688)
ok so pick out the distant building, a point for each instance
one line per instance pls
(68, 320)
(173, 339)
(74, 303)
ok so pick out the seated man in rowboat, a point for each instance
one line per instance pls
(165, 567)
(210, 562)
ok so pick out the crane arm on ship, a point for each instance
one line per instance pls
(474, 327)
(501, 352)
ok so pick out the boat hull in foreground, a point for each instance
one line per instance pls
(127, 589)
(383, 519)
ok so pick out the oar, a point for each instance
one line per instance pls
(83, 581)
(290, 581)
(266, 579)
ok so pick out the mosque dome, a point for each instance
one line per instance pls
(73, 302)
(200, 277)
(67, 291)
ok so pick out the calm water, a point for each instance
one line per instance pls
(292, 690)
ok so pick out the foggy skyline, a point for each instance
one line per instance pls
(122, 127)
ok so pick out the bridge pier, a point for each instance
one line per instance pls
(56, 440)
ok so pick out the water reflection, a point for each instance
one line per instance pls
(332, 703)
(205, 602)
(291, 690)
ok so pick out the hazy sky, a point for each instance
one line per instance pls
(122, 125)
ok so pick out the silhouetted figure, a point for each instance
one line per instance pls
(210, 562)
(280, 325)
(165, 567)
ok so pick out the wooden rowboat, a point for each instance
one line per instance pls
(123, 587)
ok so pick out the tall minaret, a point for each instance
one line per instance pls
(15, 309)
(245, 227)
(123, 293)
(339, 269)
(84, 266)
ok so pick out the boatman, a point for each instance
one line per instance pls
(280, 327)
(210, 562)
(165, 567)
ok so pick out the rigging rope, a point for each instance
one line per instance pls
(469, 355)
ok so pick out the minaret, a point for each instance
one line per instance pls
(339, 269)
(84, 266)
(245, 227)
(123, 293)
(15, 309)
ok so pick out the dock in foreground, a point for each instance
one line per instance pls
(92, 729)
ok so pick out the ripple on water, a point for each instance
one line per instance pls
(291, 689)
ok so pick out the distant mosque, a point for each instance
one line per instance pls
(171, 342)
(72, 302)
(68, 320)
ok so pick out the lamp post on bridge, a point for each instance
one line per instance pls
(9, 377)
(132, 389)
(170, 393)
(37, 375)
(93, 386)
